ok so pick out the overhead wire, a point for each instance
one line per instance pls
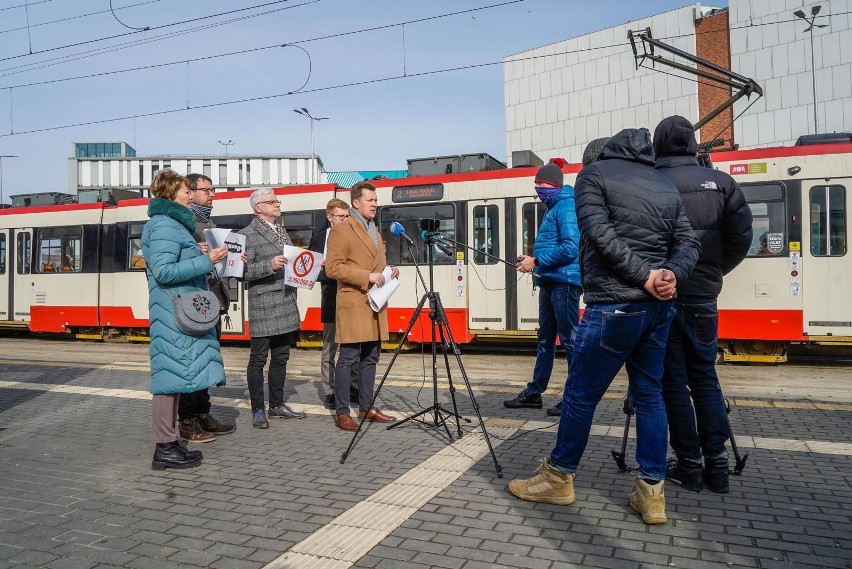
(24, 5)
(77, 17)
(112, 11)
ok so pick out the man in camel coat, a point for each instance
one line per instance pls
(356, 259)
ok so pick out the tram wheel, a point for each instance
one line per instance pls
(760, 347)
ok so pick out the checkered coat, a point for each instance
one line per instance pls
(272, 308)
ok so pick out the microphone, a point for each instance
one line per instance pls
(397, 229)
(442, 245)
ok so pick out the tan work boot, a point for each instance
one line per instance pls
(649, 500)
(548, 485)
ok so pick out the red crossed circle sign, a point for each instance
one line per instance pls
(303, 265)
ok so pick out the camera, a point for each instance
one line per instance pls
(429, 224)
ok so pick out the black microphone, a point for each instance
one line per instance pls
(443, 246)
(397, 229)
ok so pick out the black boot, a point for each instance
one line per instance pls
(173, 455)
(687, 476)
(716, 480)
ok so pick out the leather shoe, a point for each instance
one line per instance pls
(210, 424)
(376, 416)
(191, 430)
(173, 455)
(346, 423)
(284, 412)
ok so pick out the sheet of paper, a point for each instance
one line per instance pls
(302, 267)
(232, 266)
(378, 296)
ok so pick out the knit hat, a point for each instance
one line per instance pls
(550, 173)
(593, 150)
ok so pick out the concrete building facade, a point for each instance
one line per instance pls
(561, 96)
(116, 165)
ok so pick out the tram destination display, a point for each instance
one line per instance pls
(422, 193)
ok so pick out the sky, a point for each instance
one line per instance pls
(373, 126)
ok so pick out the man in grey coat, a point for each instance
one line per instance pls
(272, 311)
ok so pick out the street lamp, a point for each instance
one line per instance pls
(1, 175)
(810, 29)
(304, 112)
(226, 145)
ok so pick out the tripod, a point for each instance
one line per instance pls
(438, 415)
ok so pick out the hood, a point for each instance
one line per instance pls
(674, 136)
(632, 144)
(566, 192)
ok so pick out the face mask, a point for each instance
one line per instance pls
(545, 193)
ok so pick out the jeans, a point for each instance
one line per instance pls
(558, 314)
(609, 336)
(690, 371)
(278, 347)
(368, 354)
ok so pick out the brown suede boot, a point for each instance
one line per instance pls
(190, 430)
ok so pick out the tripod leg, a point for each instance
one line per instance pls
(740, 461)
(621, 457)
(444, 348)
(457, 353)
(396, 352)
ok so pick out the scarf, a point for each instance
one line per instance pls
(169, 208)
(202, 212)
(277, 231)
(370, 226)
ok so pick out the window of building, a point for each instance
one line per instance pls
(206, 169)
(129, 151)
(769, 214)
(59, 250)
(240, 169)
(248, 173)
(24, 254)
(533, 214)
(2, 253)
(135, 258)
(300, 227)
(486, 234)
(223, 173)
(409, 217)
(828, 221)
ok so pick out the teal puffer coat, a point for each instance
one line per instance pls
(179, 363)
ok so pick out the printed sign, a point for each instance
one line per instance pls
(775, 242)
(232, 266)
(423, 193)
(302, 267)
(753, 168)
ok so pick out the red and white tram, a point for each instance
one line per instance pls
(78, 268)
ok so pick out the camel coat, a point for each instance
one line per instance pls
(351, 257)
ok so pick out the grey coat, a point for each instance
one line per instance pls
(272, 308)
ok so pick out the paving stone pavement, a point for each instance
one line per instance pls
(76, 489)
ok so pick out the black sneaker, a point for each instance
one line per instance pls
(556, 410)
(524, 400)
(684, 476)
(717, 480)
(330, 402)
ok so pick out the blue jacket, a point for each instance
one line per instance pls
(179, 363)
(557, 245)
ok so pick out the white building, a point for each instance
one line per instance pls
(561, 96)
(116, 165)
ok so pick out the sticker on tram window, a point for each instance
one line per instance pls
(795, 246)
(424, 193)
(775, 242)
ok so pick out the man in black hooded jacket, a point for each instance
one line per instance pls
(721, 218)
(633, 230)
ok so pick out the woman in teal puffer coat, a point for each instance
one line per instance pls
(179, 363)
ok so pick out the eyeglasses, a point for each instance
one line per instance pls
(269, 202)
(210, 191)
(340, 217)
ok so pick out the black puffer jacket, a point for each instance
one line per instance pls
(631, 221)
(715, 204)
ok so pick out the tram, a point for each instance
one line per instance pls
(78, 268)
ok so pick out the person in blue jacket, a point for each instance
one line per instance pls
(556, 273)
(179, 363)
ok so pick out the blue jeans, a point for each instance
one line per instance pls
(609, 336)
(690, 371)
(558, 313)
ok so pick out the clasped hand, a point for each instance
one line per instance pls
(661, 284)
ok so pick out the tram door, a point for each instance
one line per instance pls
(233, 322)
(486, 275)
(827, 268)
(5, 278)
(529, 215)
(22, 291)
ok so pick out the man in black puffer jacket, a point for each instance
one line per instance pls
(636, 244)
(722, 220)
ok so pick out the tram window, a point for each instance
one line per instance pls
(533, 214)
(486, 234)
(59, 250)
(136, 260)
(828, 221)
(300, 227)
(769, 237)
(24, 253)
(2, 254)
(409, 216)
